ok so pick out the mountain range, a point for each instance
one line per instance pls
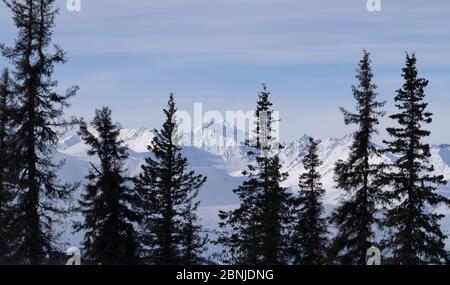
(223, 166)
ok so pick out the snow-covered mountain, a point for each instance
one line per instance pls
(222, 162)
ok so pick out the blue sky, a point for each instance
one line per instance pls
(130, 54)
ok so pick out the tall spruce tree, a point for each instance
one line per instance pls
(310, 235)
(168, 191)
(417, 237)
(257, 231)
(109, 203)
(40, 122)
(356, 216)
(8, 163)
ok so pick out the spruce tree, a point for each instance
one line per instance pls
(262, 140)
(194, 244)
(168, 191)
(417, 237)
(309, 239)
(257, 231)
(8, 165)
(40, 121)
(356, 216)
(108, 205)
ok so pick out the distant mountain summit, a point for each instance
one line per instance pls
(220, 153)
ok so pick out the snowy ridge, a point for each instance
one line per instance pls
(223, 163)
(217, 155)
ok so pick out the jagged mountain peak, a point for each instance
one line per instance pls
(233, 154)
